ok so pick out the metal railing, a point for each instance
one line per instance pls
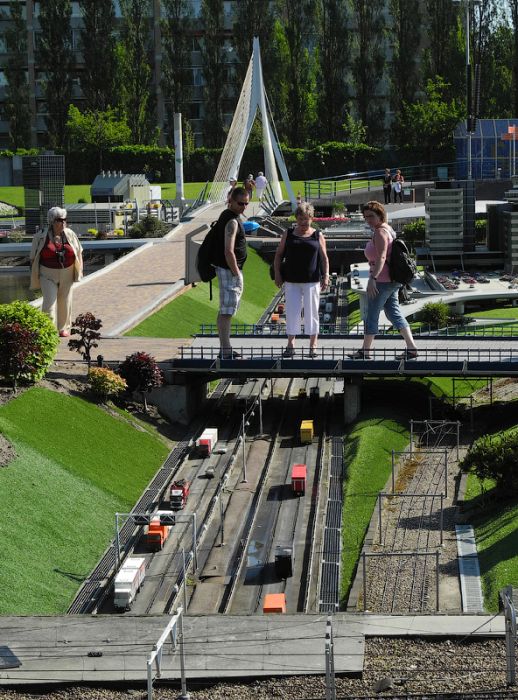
(340, 185)
(199, 201)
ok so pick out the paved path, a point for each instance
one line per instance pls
(129, 290)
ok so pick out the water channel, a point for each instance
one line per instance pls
(14, 285)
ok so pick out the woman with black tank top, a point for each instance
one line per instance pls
(302, 252)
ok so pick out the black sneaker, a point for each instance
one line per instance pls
(359, 355)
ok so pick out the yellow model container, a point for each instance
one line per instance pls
(306, 431)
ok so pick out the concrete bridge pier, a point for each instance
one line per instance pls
(352, 398)
(180, 402)
(458, 307)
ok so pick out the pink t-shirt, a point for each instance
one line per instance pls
(370, 254)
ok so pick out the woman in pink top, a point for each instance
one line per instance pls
(382, 293)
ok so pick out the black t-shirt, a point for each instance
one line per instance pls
(240, 243)
(302, 257)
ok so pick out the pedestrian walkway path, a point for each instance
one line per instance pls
(129, 290)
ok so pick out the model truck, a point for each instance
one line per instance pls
(128, 581)
(306, 431)
(156, 533)
(298, 479)
(206, 442)
(179, 493)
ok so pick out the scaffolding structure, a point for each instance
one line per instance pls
(493, 153)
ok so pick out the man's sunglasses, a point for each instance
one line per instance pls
(63, 221)
(242, 204)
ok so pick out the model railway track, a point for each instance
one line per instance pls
(278, 519)
(411, 525)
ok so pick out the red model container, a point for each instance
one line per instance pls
(179, 493)
(207, 440)
(298, 479)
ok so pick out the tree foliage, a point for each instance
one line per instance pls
(495, 457)
(213, 71)
(141, 373)
(435, 313)
(99, 77)
(96, 131)
(16, 104)
(46, 338)
(428, 123)
(57, 65)
(18, 350)
(135, 83)
(87, 327)
(105, 382)
(369, 66)
(334, 47)
(176, 73)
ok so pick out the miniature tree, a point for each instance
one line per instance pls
(141, 373)
(87, 327)
(18, 351)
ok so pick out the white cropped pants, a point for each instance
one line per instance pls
(302, 295)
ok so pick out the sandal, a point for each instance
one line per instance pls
(312, 352)
(359, 355)
(288, 352)
(408, 354)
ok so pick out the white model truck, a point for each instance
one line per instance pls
(128, 582)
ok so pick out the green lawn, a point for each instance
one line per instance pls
(506, 312)
(59, 496)
(73, 193)
(496, 532)
(183, 316)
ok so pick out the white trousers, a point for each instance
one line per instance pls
(56, 287)
(302, 295)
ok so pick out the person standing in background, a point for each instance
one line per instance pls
(397, 184)
(56, 263)
(387, 185)
(249, 185)
(261, 183)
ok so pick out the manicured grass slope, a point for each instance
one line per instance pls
(75, 467)
(184, 315)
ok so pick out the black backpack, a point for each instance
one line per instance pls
(206, 256)
(402, 267)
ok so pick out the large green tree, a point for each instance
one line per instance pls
(369, 66)
(98, 80)
(214, 72)
(445, 54)
(428, 123)
(513, 9)
(334, 47)
(57, 64)
(296, 39)
(135, 85)
(254, 19)
(96, 131)
(176, 70)
(406, 34)
(16, 103)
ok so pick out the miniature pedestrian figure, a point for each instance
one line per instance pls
(397, 184)
(387, 185)
(261, 183)
(249, 185)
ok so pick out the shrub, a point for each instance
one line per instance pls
(87, 327)
(414, 232)
(18, 348)
(141, 373)
(104, 382)
(118, 232)
(149, 227)
(495, 457)
(92, 232)
(47, 339)
(435, 313)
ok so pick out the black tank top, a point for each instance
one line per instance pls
(302, 257)
(240, 243)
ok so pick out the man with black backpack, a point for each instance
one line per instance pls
(228, 257)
